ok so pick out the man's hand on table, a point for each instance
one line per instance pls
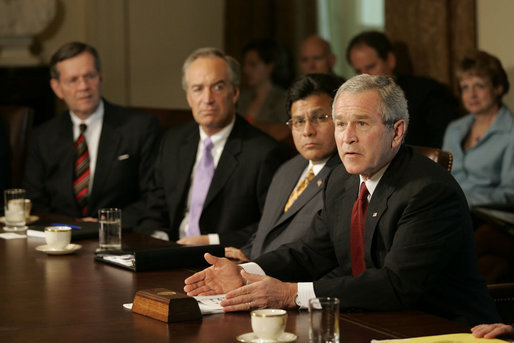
(226, 277)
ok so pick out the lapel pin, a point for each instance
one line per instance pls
(320, 182)
(375, 214)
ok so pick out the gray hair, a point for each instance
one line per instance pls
(233, 66)
(393, 105)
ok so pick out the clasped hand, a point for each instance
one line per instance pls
(226, 277)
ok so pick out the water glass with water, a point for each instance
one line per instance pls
(110, 228)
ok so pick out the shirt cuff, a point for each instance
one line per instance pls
(158, 234)
(253, 268)
(305, 293)
(214, 238)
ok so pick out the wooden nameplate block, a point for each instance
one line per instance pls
(166, 305)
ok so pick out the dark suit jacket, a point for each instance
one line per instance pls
(235, 199)
(117, 182)
(276, 227)
(431, 108)
(419, 247)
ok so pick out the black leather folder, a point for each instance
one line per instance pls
(158, 258)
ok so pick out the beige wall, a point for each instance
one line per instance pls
(495, 35)
(142, 44)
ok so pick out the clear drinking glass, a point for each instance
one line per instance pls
(324, 320)
(110, 228)
(14, 206)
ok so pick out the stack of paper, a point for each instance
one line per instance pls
(451, 338)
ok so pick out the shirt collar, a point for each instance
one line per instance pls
(316, 168)
(372, 182)
(220, 136)
(98, 114)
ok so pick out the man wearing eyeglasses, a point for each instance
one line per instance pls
(94, 155)
(295, 193)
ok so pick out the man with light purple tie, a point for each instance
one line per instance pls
(212, 174)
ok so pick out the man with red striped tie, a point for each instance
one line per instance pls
(96, 154)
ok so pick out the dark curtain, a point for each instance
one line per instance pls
(432, 36)
(287, 21)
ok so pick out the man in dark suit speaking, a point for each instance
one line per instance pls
(395, 235)
(96, 154)
(211, 174)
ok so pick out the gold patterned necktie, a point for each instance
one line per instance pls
(295, 194)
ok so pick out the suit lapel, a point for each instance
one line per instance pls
(107, 147)
(287, 184)
(66, 153)
(228, 161)
(379, 202)
(187, 157)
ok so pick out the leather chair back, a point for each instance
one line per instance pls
(503, 296)
(444, 158)
(18, 120)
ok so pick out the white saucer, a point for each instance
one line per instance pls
(70, 248)
(15, 229)
(252, 338)
(30, 219)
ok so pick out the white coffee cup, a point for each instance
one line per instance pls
(58, 237)
(269, 324)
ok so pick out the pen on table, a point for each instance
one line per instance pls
(69, 225)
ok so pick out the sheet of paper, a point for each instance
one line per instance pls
(125, 260)
(12, 235)
(210, 304)
(35, 233)
(450, 338)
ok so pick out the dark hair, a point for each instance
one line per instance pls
(70, 50)
(271, 51)
(374, 39)
(485, 65)
(312, 84)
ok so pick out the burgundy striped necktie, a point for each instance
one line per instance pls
(81, 170)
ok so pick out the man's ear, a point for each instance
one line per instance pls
(236, 94)
(56, 87)
(399, 129)
(391, 61)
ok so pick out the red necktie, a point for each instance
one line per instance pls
(357, 231)
(81, 170)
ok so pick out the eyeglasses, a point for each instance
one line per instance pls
(75, 81)
(316, 120)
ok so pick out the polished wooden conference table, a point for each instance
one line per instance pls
(72, 298)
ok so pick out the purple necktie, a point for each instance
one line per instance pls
(201, 182)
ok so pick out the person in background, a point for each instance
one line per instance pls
(482, 142)
(96, 154)
(316, 56)
(394, 235)
(431, 105)
(211, 174)
(295, 193)
(265, 72)
(493, 330)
